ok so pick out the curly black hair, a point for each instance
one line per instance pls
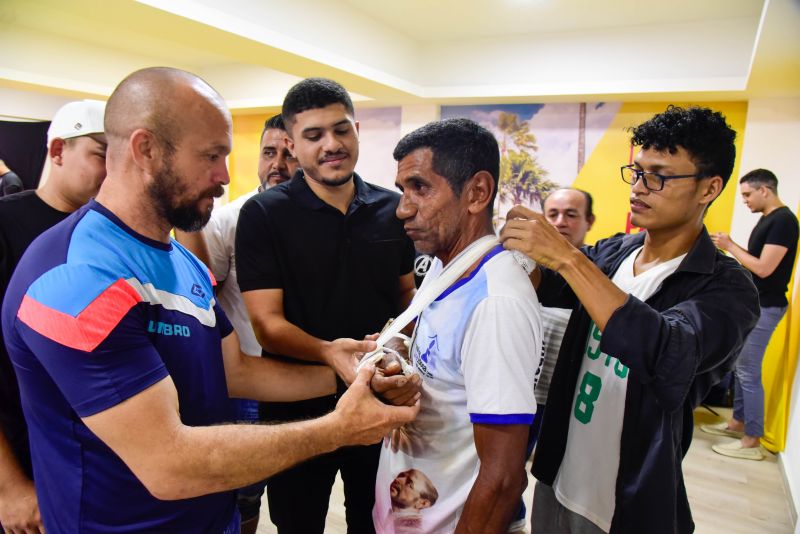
(704, 134)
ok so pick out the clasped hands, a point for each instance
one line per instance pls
(388, 381)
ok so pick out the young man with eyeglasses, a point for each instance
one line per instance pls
(659, 317)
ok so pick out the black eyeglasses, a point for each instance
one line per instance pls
(652, 180)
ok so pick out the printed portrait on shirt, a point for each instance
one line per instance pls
(411, 492)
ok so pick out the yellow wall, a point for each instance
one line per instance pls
(243, 161)
(600, 175)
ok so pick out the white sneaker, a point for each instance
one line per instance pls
(734, 449)
(721, 429)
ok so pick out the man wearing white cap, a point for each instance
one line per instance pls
(76, 150)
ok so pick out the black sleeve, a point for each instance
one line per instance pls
(668, 349)
(257, 265)
(783, 231)
(554, 292)
(11, 184)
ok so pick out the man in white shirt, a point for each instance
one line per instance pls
(471, 346)
(569, 210)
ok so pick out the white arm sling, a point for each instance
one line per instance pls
(449, 275)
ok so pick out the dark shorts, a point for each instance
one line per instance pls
(248, 500)
(549, 516)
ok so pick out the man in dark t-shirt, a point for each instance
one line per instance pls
(770, 255)
(322, 261)
(77, 166)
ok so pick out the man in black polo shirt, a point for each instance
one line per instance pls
(658, 318)
(770, 256)
(322, 262)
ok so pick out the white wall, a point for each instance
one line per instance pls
(418, 115)
(772, 135)
(18, 105)
(605, 61)
(381, 129)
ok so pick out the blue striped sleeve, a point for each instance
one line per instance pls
(502, 419)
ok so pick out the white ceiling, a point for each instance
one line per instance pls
(454, 20)
(414, 51)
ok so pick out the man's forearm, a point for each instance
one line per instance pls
(269, 380)
(762, 266)
(492, 502)
(598, 294)
(749, 261)
(176, 461)
(19, 508)
(279, 336)
(198, 461)
(406, 291)
(11, 474)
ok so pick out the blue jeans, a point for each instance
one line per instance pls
(748, 400)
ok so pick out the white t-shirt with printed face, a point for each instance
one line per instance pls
(472, 348)
(586, 480)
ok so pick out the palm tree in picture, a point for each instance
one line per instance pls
(522, 179)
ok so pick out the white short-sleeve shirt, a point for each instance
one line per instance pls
(472, 348)
(220, 237)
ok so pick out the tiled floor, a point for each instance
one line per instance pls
(727, 495)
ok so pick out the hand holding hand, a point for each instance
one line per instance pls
(392, 385)
(343, 355)
(389, 382)
(364, 418)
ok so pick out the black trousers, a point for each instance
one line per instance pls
(298, 497)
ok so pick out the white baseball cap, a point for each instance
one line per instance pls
(77, 119)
